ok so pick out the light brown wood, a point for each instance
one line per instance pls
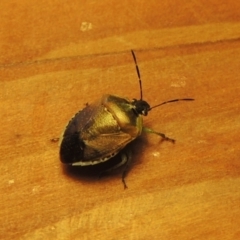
(57, 56)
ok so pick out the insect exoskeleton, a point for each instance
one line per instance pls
(102, 129)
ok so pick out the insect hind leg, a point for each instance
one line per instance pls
(162, 135)
(125, 161)
(126, 157)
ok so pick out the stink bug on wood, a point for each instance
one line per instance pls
(102, 129)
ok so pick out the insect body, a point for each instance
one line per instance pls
(102, 129)
(99, 131)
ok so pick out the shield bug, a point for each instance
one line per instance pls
(102, 129)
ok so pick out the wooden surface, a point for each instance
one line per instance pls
(57, 56)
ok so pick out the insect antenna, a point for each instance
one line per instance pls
(138, 73)
(170, 101)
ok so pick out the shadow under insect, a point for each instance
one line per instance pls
(112, 166)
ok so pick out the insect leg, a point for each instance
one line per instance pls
(126, 159)
(162, 135)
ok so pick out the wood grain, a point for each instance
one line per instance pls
(56, 57)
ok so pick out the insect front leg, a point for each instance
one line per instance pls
(162, 135)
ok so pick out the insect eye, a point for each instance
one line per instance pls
(144, 112)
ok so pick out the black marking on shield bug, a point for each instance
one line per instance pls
(102, 129)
